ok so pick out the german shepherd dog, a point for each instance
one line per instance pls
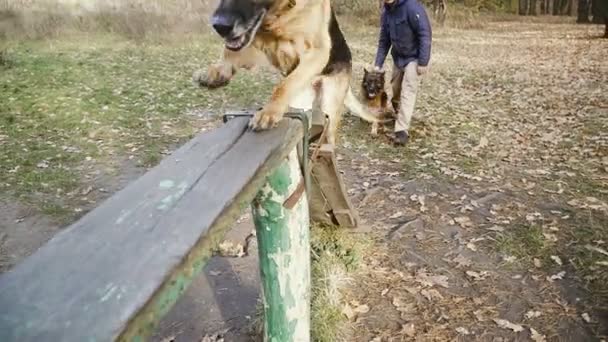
(375, 97)
(302, 39)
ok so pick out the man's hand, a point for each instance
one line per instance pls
(421, 70)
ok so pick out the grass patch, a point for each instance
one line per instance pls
(336, 254)
(526, 242)
(65, 106)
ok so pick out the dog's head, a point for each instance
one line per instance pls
(237, 21)
(373, 82)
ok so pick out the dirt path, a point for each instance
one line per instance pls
(492, 224)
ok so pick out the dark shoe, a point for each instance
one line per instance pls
(401, 138)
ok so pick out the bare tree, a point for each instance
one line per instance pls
(583, 12)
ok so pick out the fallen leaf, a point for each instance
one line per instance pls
(463, 221)
(229, 249)
(402, 306)
(509, 258)
(550, 237)
(463, 331)
(362, 309)
(597, 249)
(472, 246)
(477, 275)
(461, 261)
(425, 279)
(431, 294)
(348, 311)
(396, 215)
(557, 260)
(558, 276)
(586, 317)
(409, 329)
(537, 263)
(479, 314)
(532, 314)
(503, 323)
(496, 229)
(536, 336)
(384, 292)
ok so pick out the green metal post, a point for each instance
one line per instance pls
(280, 214)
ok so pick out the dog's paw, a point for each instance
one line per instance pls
(217, 75)
(265, 119)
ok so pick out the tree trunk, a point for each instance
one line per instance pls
(583, 12)
(599, 8)
(532, 9)
(523, 7)
(606, 29)
(514, 6)
(569, 8)
(556, 5)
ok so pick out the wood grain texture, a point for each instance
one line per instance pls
(115, 272)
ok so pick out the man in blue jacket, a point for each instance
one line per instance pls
(406, 28)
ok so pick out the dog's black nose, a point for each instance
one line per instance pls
(222, 24)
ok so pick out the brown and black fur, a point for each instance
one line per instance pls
(375, 97)
(302, 39)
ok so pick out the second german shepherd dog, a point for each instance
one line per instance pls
(302, 39)
(375, 97)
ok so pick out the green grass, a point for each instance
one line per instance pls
(524, 241)
(336, 255)
(64, 103)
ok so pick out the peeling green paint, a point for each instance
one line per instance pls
(284, 254)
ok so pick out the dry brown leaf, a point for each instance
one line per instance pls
(537, 263)
(463, 331)
(496, 229)
(597, 249)
(503, 323)
(348, 311)
(586, 317)
(431, 294)
(229, 249)
(477, 275)
(536, 336)
(533, 314)
(409, 329)
(425, 279)
(558, 276)
(464, 221)
(557, 260)
(472, 246)
(362, 309)
(461, 261)
(403, 306)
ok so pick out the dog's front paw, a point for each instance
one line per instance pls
(265, 119)
(217, 75)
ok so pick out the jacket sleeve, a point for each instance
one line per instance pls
(384, 41)
(422, 26)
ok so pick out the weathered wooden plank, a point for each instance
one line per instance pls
(116, 271)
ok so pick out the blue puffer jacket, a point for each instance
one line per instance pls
(406, 28)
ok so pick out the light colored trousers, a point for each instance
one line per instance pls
(405, 87)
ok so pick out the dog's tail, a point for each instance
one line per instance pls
(357, 108)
